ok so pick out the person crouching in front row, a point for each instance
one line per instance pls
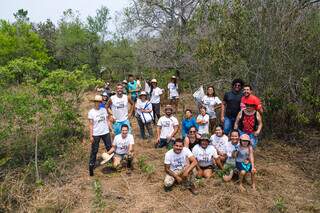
(122, 147)
(179, 163)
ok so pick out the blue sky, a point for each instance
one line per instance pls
(40, 10)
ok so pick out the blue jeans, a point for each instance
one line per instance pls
(228, 124)
(253, 139)
(117, 126)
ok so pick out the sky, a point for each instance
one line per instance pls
(40, 10)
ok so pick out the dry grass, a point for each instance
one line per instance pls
(287, 181)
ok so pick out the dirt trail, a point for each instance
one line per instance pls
(281, 185)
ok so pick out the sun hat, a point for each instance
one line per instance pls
(97, 98)
(125, 81)
(106, 157)
(143, 93)
(205, 137)
(104, 94)
(173, 76)
(153, 80)
(245, 137)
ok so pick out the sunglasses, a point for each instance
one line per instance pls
(237, 85)
(245, 141)
(192, 131)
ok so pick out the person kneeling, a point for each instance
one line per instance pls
(122, 147)
(206, 156)
(179, 163)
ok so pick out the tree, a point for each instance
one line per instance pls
(99, 23)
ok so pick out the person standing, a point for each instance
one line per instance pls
(245, 161)
(179, 163)
(211, 102)
(119, 104)
(173, 92)
(203, 121)
(167, 128)
(249, 98)
(249, 122)
(99, 129)
(231, 105)
(133, 88)
(155, 93)
(144, 115)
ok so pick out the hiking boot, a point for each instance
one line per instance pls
(168, 188)
(91, 170)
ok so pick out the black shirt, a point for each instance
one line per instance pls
(232, 100)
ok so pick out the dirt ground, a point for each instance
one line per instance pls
(287, 181)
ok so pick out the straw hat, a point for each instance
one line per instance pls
(97, 98)
(125, 81)
(173, 76)
(154, 81)
(106, 157)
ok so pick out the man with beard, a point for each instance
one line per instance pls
(179, 163)
(120, 109)
(167, 128)
(249, 98)
(231, 105)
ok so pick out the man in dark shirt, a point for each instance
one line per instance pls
(231, 105)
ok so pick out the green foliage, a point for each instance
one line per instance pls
(149, 169)
(22, 70)
(279, 205)
(18, 40)
(62, 81)
(98, 203)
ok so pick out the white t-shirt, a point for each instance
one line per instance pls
(167, 125)
(177, 161)
(205, 156)
(119, 107)
(203, 128)
(122, 144)
(100, 121)
(155, 96)
(229, 149)
(220, 143)
(173, 90)
(209, 103)
(142, 105)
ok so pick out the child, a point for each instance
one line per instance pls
(245, 161)
(203, 121)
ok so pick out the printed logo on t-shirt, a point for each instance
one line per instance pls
(100, 118)
(177, 163)
(166, 124)
(120, 104)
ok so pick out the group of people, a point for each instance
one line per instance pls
(206, 142)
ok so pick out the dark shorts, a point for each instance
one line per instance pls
(240, 167)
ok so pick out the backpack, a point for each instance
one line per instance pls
(146, 117)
